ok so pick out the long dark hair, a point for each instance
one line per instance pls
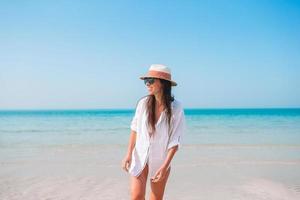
(167, 99)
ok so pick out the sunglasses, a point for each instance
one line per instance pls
(149, 80)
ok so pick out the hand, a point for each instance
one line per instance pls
(160, 174)
(126, 162)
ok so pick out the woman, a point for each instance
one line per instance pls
(156, 131)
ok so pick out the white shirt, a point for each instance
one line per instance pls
(154, 149)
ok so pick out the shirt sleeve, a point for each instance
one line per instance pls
(178, 130)
(133, 124)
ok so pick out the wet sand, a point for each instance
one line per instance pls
(233, 172)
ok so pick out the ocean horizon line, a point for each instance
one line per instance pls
(130, 109)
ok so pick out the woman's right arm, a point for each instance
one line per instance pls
(131, 144)
(132, 139)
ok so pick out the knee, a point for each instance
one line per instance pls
(156, 196)
(137, 196)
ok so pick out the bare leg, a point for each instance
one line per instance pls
(158, 188)
(138, 185)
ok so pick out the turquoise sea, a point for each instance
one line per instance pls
(204, 126)
(246, 154)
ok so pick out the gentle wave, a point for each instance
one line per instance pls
(188, 111)
(64, 130)
(242, 162)
(186, 146)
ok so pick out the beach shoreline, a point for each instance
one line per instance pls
(198, 172)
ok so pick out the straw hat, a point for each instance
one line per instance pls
(159, 71)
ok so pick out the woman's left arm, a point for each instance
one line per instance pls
(170, 155)
(162, 171)
(173, 145)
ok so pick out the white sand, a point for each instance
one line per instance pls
(266, 189)
(198, 172)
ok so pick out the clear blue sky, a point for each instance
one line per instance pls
(89, 54)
